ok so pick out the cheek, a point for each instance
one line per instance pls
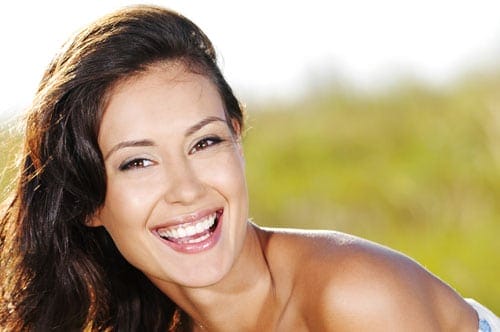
(124, 215)
(226, 174)
(127, 204)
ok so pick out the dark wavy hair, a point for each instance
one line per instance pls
(58, 274)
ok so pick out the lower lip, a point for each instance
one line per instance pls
(193, 248)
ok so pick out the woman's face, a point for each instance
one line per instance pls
(176, 200)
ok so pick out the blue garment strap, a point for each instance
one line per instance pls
(488, 321)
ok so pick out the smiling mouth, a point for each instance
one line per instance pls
(193, 232)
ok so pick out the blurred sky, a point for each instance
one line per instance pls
(275, 49)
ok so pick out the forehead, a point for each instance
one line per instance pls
(165, 74)
(165, 94)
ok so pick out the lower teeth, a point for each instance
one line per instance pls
(199, 239)
(190, 239)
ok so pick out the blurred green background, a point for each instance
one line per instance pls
(412, 167)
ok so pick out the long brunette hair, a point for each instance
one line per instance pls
(57, 273)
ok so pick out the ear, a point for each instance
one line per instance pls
(238, 135)
(236, 127)
(94, 220)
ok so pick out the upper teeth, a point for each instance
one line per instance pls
(191, 229)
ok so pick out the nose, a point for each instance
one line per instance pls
(183, 184)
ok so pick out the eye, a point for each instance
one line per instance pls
(205, 143)
(135, 164)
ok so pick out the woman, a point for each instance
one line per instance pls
(131, 209)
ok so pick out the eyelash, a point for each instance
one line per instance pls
(205, 143)
(135, 163)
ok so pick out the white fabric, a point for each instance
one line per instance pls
(488, 321)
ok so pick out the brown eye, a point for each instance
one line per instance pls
(205, 143)
(135, 164)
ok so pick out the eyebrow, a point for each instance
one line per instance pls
(141, 143)
(127, 144)
(191, 130)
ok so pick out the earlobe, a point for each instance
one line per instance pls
(94, 220)
(238, 136)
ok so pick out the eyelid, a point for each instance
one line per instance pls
(215, 138)
(127, 164)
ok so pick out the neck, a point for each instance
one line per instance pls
(237, 301)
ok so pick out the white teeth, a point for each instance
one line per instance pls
(190, 230)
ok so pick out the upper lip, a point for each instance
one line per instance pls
(188, 218)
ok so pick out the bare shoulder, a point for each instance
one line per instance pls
(342, 282)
